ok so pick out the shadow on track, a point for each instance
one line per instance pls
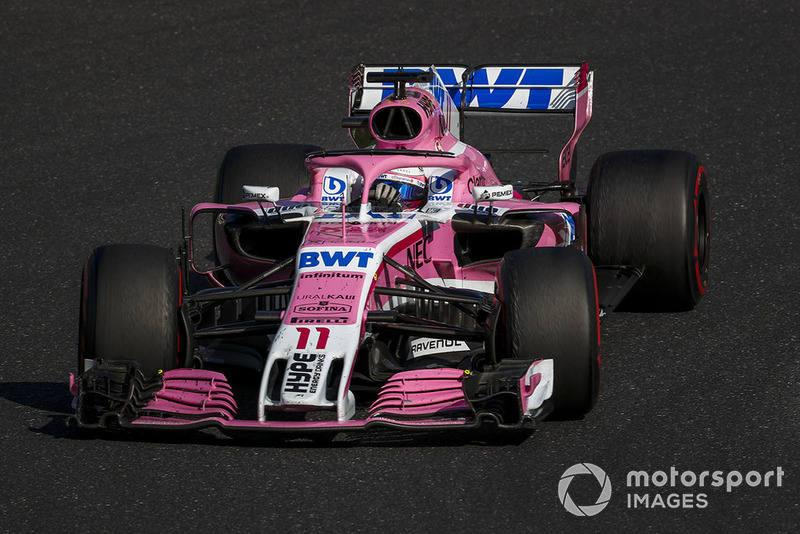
(44, 396)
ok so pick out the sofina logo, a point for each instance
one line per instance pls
(584, 469)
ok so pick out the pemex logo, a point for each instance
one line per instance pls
(584, 469)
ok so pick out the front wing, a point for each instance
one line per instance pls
(115, 395)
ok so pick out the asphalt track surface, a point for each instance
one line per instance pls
(115, 115)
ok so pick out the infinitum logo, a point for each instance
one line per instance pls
(602, 499)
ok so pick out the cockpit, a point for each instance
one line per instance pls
(397, 190)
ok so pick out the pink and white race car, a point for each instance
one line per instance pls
(401, 283)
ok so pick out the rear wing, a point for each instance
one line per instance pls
(464, 91)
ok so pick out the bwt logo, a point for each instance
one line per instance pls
(440, 185)
(441, 189)
(333, 186)
(334, 259)
(602, 499)
(481, 94)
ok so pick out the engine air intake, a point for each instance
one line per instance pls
(396, 123)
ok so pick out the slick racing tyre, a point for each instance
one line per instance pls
(278, 165)
(650, 208)
(130, 308)
(550, 312)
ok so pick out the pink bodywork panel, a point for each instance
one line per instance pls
(422, 392)
(194, 395)
(422, 398)
(583, 113)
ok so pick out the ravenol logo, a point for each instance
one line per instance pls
(602, 499)
(334, 259)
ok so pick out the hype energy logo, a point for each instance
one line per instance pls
(662, 489)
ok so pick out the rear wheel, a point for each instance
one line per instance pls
(278, 165)
(550, 311)
(130, 308)
(650, 208)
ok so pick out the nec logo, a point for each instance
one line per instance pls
(334, 259)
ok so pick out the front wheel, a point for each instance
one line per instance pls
(549, 301)
(130, 308)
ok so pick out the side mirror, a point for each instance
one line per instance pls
(257, 193)
(492, 192)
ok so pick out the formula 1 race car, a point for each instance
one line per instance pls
(399, 284)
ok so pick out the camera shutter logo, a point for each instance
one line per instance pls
(584, 469)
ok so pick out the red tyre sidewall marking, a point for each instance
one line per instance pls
(698, 278)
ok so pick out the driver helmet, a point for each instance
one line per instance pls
(400, 189)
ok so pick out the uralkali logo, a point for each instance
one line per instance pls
(602, 480)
